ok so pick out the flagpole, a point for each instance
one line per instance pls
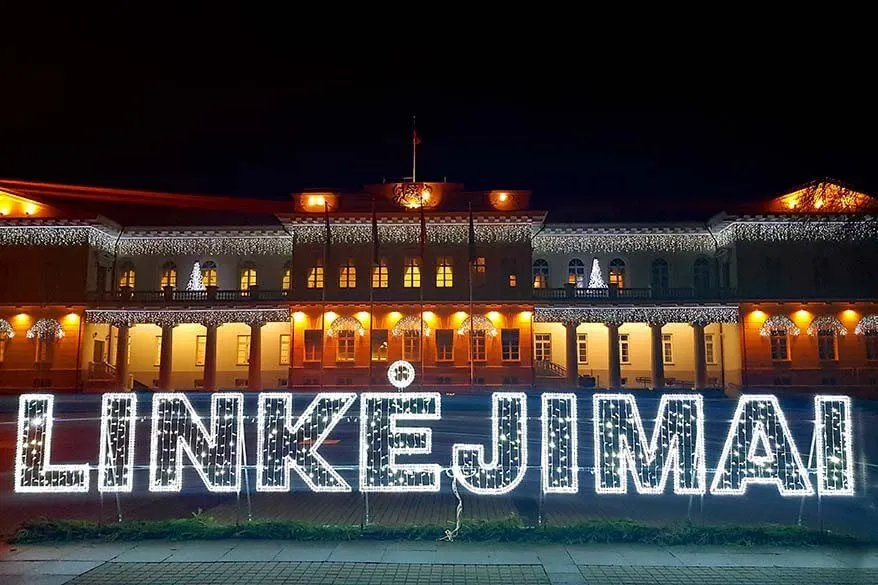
(414, 152)
(323, 294)
(423, 271)
(472, 266)
(372, 289)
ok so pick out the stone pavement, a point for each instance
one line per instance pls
(361, 562)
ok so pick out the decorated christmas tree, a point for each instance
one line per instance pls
(595, 280)
(195, 281)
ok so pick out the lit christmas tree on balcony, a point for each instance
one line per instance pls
(595, 280)
(195, 280)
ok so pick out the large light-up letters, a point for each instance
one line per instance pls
(835, 452)
(509, 456)
(760, 449)
(177, 429)
(116, 458)
(381, 441)
(34, 471)
(284, 446)
(559, 461)
(677, 445)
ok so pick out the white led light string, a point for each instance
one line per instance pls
(116, 458)
(835, 453)
(559, 460)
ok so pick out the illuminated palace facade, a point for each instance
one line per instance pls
(105, 288)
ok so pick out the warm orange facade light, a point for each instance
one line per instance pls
(428, 315)
(363, 315)
(493, 315)
(850, 314)
(71, 318)
(298, 316)
(503, 197)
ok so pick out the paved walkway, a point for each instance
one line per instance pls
(425, 563)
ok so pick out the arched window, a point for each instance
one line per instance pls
(659, 276)
(347, 274)
(701, 275)
(248, 275)
(286, 281)
(444, 272)
(126, 275)
(576, 273)
(169, 275)
(208, 273)
(411, 276)
(541, 273)
(380, 274)
(315, 275)
(617, 273)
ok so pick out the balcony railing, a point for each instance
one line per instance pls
(189, 296)
(614, 294)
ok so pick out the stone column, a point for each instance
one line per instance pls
(254, 374)
(210, 358)
(572, 362)
(167, 356)
(658, 362)
(122, 358)
(614, 364)
(700, 356)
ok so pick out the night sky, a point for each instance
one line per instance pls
(262, 114)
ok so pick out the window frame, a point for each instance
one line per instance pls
(479, 341)
(870, 339)
(127, 275)
(442, 356)
(238, 347)
(823, 336)
(381, 274)
(313, 345)
(286, 279)
(659, 276)
(373, 350)
(710, 356)
(510, 344)
(625, 349)
(576, 273)
(200, 350)
(168, 276)
(316, 278)
(209, 274)
(668, 349)
(345, 346)
(411, 273)
(543, 346)
(777, 338)
(347, 274)
(616, 272)
(445, 272)
(411, 345)
(158, 350)
(247, 271)
(540, 273)
(582, 348)
(284, 339)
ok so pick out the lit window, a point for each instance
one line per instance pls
(509, 341)
(347, 274)
(126, 275)
(284, 349)
(582, 348)
(576, 273)
(380, 274)
(248, 276)
(624, 349)
(169, 275)
(411, 345)
(616, 274)
(345, 346)
(709, 352)
(3, 341)
(286, 282)
(313, 345)
(543, 347)
(513, 281)
(444, 272)
(158, 350)
(659, 276)
(208, 274)
(200, 349)
(779, 348)
(479, 271)
(444, 345)
(871, 339)
(477, 351)
(667, 349)
(411, 277)
(826, 347)
(315, 275)
(541, 273)
(242, 354)
(379, 345)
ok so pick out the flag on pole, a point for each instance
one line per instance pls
(415, 138)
